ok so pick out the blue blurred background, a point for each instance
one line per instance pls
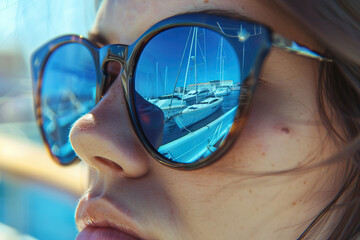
(37, 198)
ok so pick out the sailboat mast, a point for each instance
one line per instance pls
(179, 70)
(166, 71)
(221, 59)
(223, 69)
(243, 61)
(188, 64)
(203, 54)
(196, 90)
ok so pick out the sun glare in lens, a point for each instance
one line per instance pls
(194, 77)
(68, 92)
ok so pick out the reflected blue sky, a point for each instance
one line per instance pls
(174, 52)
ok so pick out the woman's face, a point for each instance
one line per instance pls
(131, 191)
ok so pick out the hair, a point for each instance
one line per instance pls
(336, 25)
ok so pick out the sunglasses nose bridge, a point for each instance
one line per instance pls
(113, 53)
(112, 59)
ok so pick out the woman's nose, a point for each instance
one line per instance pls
(105, 140)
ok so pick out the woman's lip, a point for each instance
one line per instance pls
(103, 233)
(102, 214)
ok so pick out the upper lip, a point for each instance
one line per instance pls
(102, 213)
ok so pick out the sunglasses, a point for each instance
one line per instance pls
(188, 83)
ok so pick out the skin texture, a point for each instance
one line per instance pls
(223, 200)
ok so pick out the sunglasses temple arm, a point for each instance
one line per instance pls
(295, 48)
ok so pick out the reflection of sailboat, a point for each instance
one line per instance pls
(197, 112)
(200, 128)
(235, 87)
(194, 95)
(222, 91)
(169, 104)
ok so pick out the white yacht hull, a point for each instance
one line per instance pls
(190, 116)
(221, 92)
(201, 142)
(169, 110)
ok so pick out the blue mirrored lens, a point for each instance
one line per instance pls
(68, 92)
(188, 82)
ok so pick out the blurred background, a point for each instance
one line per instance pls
(37, 197)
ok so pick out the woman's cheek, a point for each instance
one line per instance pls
(280, 133)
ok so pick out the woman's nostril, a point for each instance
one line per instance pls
(108, 163)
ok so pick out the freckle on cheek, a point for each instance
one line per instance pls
(280, 128)
(285, 130)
